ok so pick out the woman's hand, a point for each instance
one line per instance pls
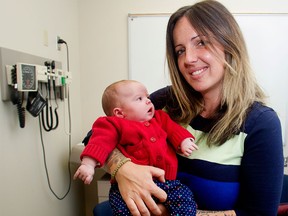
(136, 186)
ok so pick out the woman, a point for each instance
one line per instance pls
(238, 168)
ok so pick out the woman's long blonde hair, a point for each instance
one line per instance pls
(240, 89)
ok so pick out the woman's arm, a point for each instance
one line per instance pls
(215, 213)
(136, 184)
(262, 165)
(113, 160)
(202, 212)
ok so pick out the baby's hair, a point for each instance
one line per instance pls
(110, 97)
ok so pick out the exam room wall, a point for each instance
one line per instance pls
(104, 44)
(23, 185)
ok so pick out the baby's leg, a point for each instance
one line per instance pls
(180, 199)
(118, 205)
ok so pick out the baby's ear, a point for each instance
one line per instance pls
(118, 112)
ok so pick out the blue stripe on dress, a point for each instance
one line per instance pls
(211, 194)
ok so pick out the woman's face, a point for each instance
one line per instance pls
(198, 64)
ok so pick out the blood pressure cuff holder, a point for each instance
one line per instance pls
(35, 103)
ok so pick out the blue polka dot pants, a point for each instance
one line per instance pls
(179, 201)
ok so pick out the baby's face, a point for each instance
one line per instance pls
(135, 102)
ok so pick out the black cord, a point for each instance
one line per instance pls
(46, 168)
(48, 126)
(56, 108)
(69, 115)
(61, 41)
(17, 98)
(21, 111)
(69, 135)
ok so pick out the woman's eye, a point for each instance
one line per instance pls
(179, 52)
(202, 43)
(199, 43)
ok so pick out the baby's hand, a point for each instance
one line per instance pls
(188, 146)
(85, 172)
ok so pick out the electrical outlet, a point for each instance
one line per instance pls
(58, 46)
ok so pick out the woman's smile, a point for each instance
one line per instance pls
(197, 73)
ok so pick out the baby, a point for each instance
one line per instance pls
(141, 133)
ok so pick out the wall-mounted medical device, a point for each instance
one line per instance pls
(29, 82)
(34, 84)
(28, 76)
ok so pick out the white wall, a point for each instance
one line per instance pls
(23, 185)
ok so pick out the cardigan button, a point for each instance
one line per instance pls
(146, 124)
(153, 139)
